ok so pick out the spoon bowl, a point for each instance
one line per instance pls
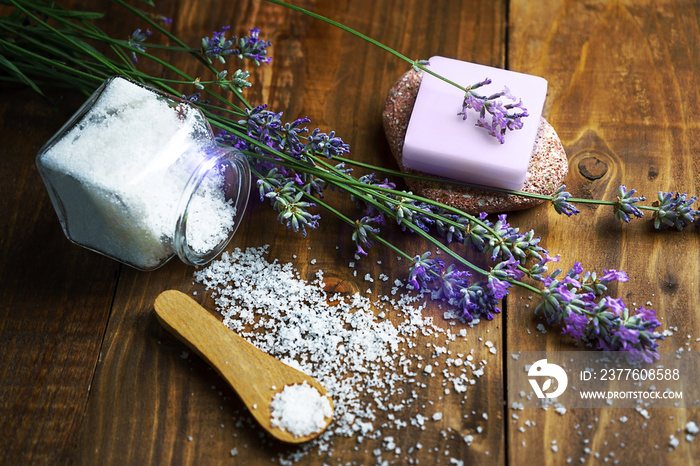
(253, 374)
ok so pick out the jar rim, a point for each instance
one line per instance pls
(221, 156)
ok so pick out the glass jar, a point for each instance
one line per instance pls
(136, 175)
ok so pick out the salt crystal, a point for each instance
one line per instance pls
(673, 441)
(300, 410)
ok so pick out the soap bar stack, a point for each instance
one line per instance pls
(428, 135)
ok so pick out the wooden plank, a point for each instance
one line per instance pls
(56, 296)
(623, 98)
(148, 404)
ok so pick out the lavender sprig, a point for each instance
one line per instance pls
(502, 116)
(253, 48)
(625, 204)
(138, 37)
(578, 302)
(218, 47)
(560, 201)
(362, 231)
(674, 211)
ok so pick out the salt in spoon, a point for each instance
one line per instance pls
(253, 374)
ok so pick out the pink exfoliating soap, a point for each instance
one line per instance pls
(440, 142)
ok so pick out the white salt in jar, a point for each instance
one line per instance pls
(136, 175)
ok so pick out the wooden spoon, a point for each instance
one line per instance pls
(253, 374)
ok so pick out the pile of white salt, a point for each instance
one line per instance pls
(117, 176)
(300, 410)
(348, 343)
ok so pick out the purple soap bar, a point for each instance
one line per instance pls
(440, 142)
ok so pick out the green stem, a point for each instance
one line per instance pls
(87, 51)
(52, 63)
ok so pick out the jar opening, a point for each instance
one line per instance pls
(212, 205)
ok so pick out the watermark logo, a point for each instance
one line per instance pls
(552, 372)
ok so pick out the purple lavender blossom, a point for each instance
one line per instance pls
(575, 325)
(138, 37)
(578, 302)
(674, 211)
(327, 145)
(610, 275)
(424, 270)
(625, 208)
(498, 288)
(218, 47)
(253, 48)
(477, 302)
(294, 212)
(362, 231)
(495, 116)
(561, 204)
(449, 284)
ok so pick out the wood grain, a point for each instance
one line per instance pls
(624, 103)
(56, 299)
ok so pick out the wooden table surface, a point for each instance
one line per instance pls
(87, 376)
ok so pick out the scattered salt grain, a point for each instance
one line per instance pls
(673, 441)
(339, 344)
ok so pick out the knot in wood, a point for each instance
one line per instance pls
(592, 168)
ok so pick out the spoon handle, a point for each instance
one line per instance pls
(253, 374)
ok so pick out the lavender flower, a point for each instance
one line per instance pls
(217, 46)
(449, 284)
(293, 212)
(625, 207)
(477, 302)
(560, 203)
(136, 41)
(502, 116)
(253, 48)
(575, 325)
(239, 80)
(577, 301)
(268, 183)
(289, 141)
(327, 145)
(362, 229)
(424, 270)
(674, 211)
